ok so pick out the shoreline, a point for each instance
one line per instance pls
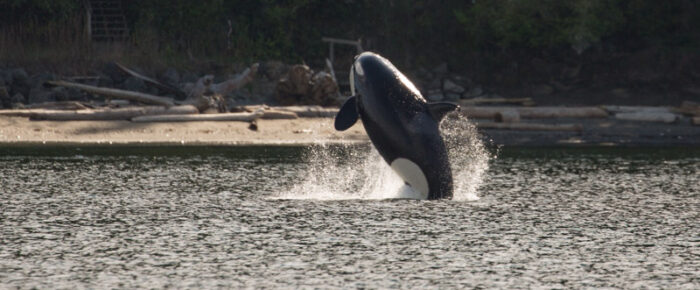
(20, 131)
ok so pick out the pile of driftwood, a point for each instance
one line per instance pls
(202, 101)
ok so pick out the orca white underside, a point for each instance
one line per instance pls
(411, 174)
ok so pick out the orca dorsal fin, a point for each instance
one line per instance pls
(440, 109)
(347, 115)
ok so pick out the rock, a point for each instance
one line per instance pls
(434, 96)
(452, 97)
(542, 90)
(135, 84)
(114, 72)
(69, 94)
(20, 75)
(5, 100)
(620, 93)
(105, 81)
(38, 80)
(189, 77)
(441, 69)
(20, 81)
(171, 77)
(449, 86)
(17, 99)
(474, 92)
(40, 95)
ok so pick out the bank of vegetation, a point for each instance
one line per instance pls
(494, 43)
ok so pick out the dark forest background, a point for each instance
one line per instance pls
(641, 46)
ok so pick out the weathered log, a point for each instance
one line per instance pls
(508, 116)
(634, 109)
(689, 108)
(177, 92)
(99, 114)
(479, 101)
(278, 115)
(530, 126)
(65, 105)
(245, 117)
(116, 93)
(206, 86)
(536, 112)
(309, 111)
(659, 117)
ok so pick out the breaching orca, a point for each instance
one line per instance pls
(400, 123)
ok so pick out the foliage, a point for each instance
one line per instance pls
(414, 32)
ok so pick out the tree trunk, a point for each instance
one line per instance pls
(98, 114)
(659, 117)
(530, 126)
(246, 117)
(117, 93)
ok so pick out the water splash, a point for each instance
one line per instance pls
(359, 172)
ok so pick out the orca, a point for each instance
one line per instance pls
(400, 123)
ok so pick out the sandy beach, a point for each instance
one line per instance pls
(19, 130)
(305, 131)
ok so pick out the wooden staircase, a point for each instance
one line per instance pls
(106, 21)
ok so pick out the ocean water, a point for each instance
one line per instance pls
(329, 217)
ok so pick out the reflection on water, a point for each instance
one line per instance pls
(207, 217)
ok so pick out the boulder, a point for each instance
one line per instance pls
(135, 85)
(38, 80)
(434, 96)
(113, 71)
(441, 69)
(17, 99)
(5, 100)
(40, 95)
(188, 77)
(474, 92)
(451, 87)
(542, 90)
(20, 81)
(171, 77)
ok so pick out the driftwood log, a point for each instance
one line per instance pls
(98, 114)
(530, 126)
(241, 116)
(206, 86)
(508, 116)
(278, 114)
(689, 108)
(309, 111)
(177, 92)
(479, 101)
(117, 93)
(61, 105)
(659, 117)
(635, 109)
(300, 111)
(536, 112)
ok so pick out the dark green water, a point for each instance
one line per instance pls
(208, 217)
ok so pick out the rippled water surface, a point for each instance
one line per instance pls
(235, 217)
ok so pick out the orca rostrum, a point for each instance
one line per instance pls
(400, 123)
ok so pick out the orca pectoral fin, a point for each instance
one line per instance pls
(439, 110)
(347, 116)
